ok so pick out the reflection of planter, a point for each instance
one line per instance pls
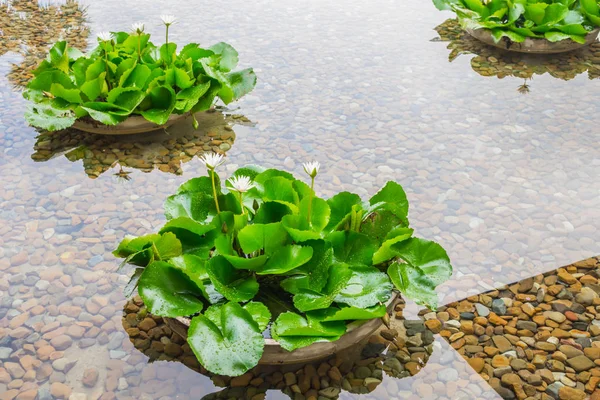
(274, 354)
(132, 125)
(531, 45)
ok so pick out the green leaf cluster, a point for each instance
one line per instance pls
(554, 20)
(278, 261)
(130, 75)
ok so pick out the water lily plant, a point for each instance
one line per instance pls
(553, 20)
(126, 74)
(263, 255)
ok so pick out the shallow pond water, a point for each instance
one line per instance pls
(505, 177)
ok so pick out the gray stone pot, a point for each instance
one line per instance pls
(274, 354)
(132, 125)
(531, 45)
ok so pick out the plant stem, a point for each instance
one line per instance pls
(106, 62)
(242, 203)
(212, 178)
(139, 47)
(312, 191)
(167, 36)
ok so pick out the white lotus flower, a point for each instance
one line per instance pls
(105, 36)
(312, 168)
(168, 19)
(138, 27)
(241, 183)
(212, 160)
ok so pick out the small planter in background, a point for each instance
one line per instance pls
(532, 45)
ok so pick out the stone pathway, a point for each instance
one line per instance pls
(535, 339)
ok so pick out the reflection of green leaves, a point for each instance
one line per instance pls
(231, 349)
(167, 83)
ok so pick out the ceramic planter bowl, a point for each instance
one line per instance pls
(531, 45)
(132, 125)
(274, 354)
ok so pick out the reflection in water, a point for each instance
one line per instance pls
(165, 149)
(30, 28)
(524, 88)
(491, 61)
(399, 351)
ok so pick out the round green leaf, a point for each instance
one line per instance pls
(353, 247)
(366, 288)
(349, 313)
(231, 350)
(428, 256)
(234, 284)
(286, 259)
(168, 292)
(260, 313)
(308, 300)
(269, 237)
(340, 206)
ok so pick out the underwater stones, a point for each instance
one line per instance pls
(90, 377)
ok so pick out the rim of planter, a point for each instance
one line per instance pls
(532, 45)
(132, 125)
(274, 354)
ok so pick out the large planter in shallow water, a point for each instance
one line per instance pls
(132, 125)
(532, 45)
(274, 354)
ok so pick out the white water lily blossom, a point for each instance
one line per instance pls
(105, 36)
(168, 19)
(212, 160)
(138, 27)
(311, 168)
(241, 183)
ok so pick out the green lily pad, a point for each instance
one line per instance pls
(169, 292)
(286, 259)
(230, 350)
(234, 284)
(353, 247)
(348, 313)
(308, 300)
(366, 287)
(195, 268)
(269, 237)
